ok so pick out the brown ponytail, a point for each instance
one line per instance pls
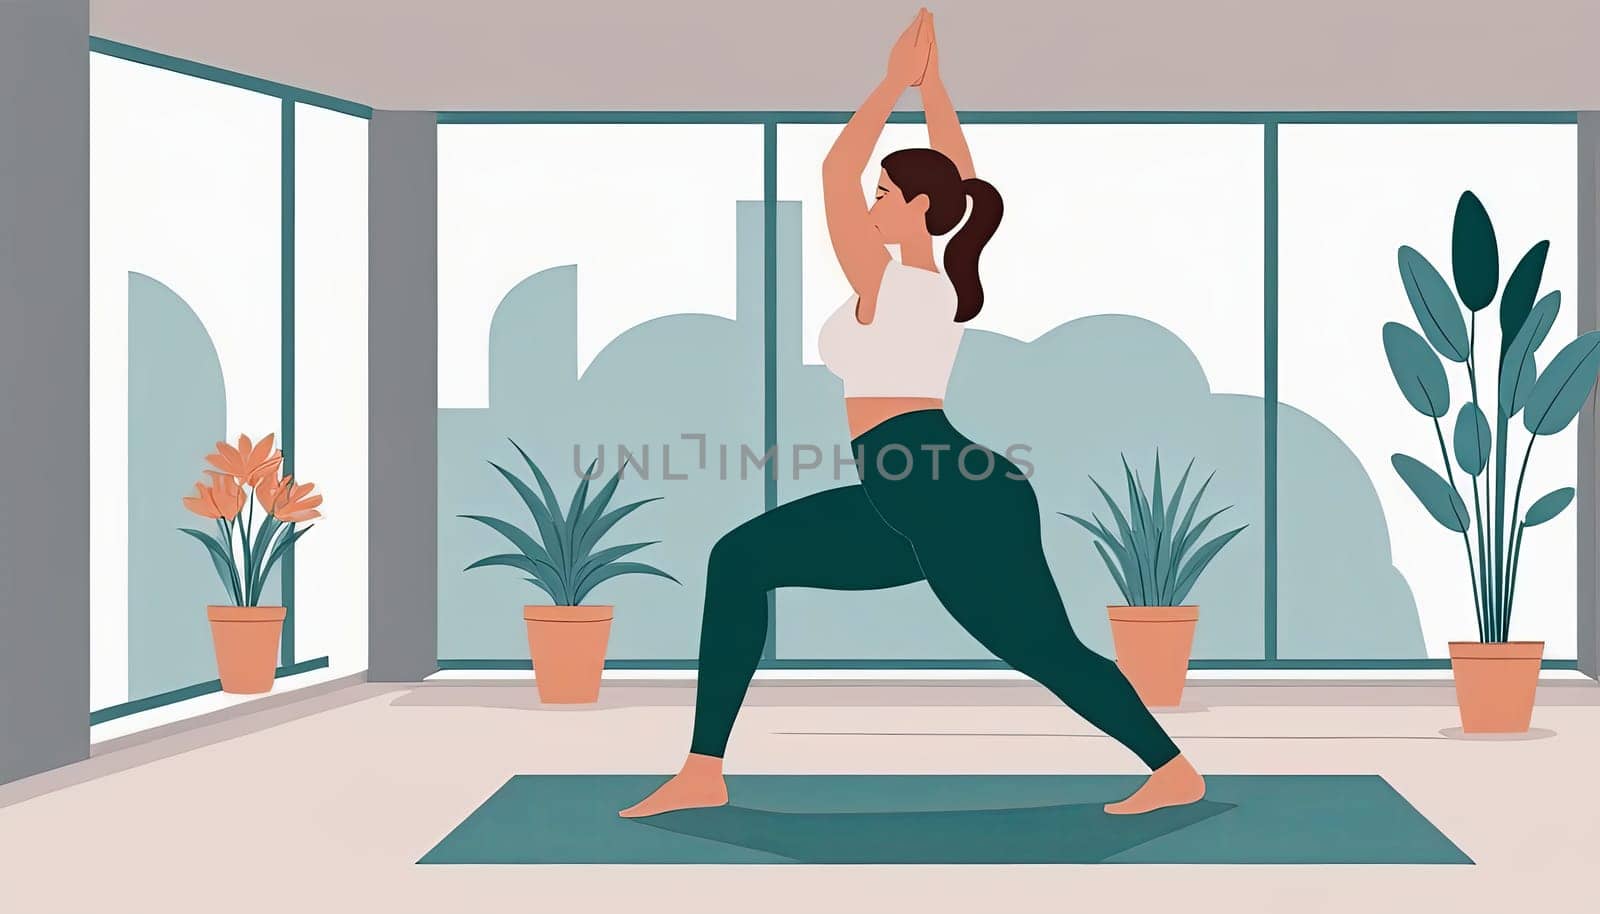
(930, 172)
(961, 254)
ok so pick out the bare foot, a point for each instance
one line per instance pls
(698, 785)
(1174, 784)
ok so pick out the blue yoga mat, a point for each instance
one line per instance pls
(948, 819)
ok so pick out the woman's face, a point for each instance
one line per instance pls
(897, 219)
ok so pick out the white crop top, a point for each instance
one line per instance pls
(910, 346)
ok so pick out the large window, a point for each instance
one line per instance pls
(600, 298)
(1349, 197)
(228, 296)
(1212, 287)
(185, 348)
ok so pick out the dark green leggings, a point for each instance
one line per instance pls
(931, 506)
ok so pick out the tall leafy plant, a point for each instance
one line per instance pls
(1547, 401)
(1153, 555)
(560, 557)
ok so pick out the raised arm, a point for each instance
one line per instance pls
(856, 241)
(944, 129)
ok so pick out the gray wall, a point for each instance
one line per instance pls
(996, 54)
(403, 378)
(1588, 428)
(44, 385)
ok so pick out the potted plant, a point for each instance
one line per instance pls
(566, 637)
(1495, 677)
(245, 634)
(1155, 559)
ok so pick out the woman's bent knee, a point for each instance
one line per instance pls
(734, 557)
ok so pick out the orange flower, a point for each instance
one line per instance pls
(247, 464)
(271, 491)
(222, 500)
(228, 495)
(288, 502)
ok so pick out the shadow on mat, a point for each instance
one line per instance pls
(1075, 833)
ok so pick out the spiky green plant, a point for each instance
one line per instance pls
(562, 560)
(1548, 402)
(1153, 556)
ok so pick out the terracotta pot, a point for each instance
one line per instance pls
(246, 641)
(1495, 684)
(568, 648)
(1152, 645)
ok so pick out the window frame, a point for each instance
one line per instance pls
(288, 96)
(1268, 121)
(770, 121)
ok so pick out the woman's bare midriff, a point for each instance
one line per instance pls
(866, 412)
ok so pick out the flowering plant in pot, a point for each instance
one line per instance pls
(566, 637)
(1155, 556)
(244, 633)
(1495, 677)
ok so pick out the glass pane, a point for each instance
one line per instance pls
(1123, 315)
(330, 365)
(184, 342)
(600, 291)
(1364, 571)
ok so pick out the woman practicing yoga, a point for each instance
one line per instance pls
(931, 505)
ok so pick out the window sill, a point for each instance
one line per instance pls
(209, 702)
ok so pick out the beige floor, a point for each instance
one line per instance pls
(324, 804)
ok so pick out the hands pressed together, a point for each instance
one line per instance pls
(914, 59)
